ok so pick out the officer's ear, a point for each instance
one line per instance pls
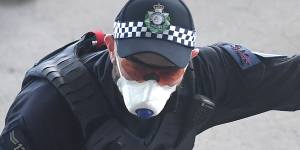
(194, 52)
(110, 44)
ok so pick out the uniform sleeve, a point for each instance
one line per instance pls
(247, 83)
(40, 119)
(15, 137)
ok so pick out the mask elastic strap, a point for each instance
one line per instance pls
(191, 66)
(118, 65)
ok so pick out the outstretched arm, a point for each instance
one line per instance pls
(252, 83)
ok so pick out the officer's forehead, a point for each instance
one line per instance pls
(153, 59)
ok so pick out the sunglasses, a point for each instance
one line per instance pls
(138, 71)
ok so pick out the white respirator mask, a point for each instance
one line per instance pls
(143, 99)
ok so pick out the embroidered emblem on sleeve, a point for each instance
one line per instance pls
(243, 56)
(17, 144)
(14, 140)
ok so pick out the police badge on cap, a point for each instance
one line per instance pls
(160, 27)
(157, 21)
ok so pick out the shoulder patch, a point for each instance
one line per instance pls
(243, 56)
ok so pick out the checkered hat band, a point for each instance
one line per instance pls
(138, 29)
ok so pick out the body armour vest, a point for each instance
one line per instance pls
(65, 69)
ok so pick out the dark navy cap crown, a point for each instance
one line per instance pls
(135, 10)
(163, 27)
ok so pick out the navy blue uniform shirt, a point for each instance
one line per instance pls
(242, 84)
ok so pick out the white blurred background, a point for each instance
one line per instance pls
(29, 29)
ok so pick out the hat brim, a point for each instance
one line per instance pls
(177, 54)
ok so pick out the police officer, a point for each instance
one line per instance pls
(146, 87)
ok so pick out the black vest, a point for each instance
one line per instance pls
(65, 69)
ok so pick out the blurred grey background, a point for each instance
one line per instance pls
(29, 29)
